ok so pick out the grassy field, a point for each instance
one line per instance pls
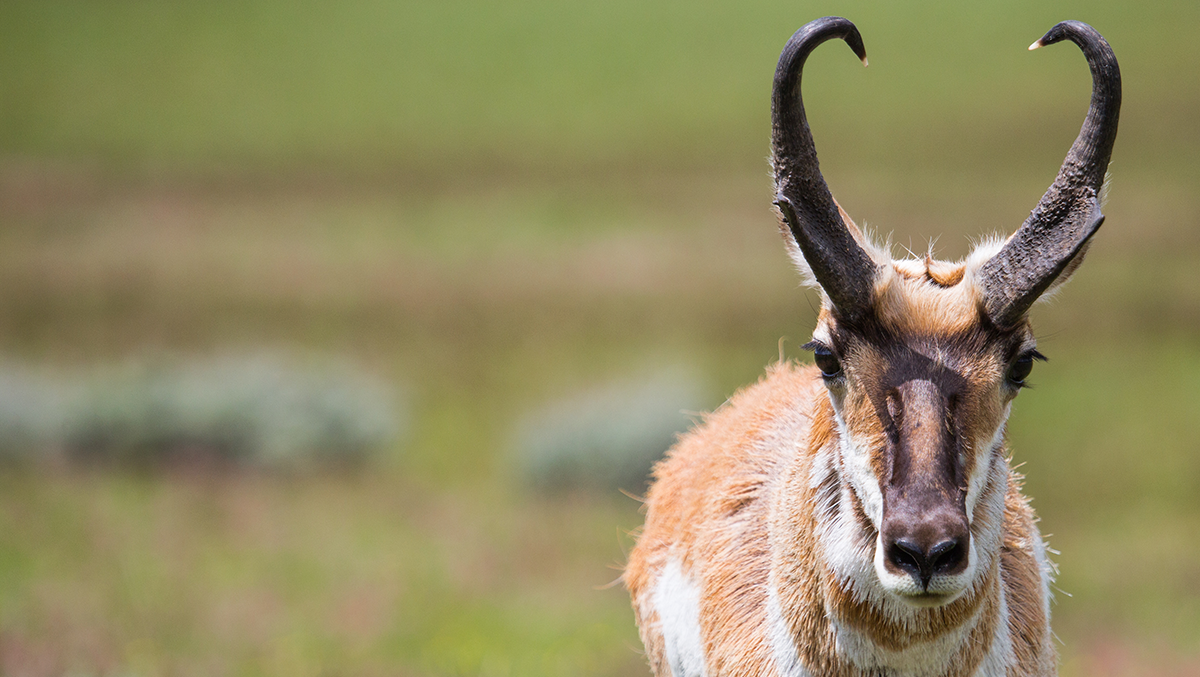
(495, 206)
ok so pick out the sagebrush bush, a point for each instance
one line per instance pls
(259, 410)
(608, 437)
(32, 413)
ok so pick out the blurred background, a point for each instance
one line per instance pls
(330, 333)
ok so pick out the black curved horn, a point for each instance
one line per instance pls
(845, 271)
(1058, 230)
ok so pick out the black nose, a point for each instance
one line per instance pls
(943, 557)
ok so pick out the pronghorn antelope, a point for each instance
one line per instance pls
(859, 517)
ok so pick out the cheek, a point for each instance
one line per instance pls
(1007, 394)
(863, 419)
(861, 451)
(984, 413)
(985, 434)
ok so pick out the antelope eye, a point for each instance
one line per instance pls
(826, 362)
(1020, 369)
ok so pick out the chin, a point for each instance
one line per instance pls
(929, 600)
(942, 590)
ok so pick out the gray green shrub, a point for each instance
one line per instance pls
(32, 413)
(607, 438)
(260, 411)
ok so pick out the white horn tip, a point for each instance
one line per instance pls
(1035, 45)
(865, 64)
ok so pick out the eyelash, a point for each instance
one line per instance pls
(825, 359)
(1020, 368)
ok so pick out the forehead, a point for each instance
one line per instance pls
(927, 298)
(927, 311)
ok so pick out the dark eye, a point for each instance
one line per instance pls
(826, 362)
(1020, 369)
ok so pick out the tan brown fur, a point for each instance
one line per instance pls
(916, 299)
(816, 589)
(731, 546)
(733, 502)
(1027, 622)
(709, 492)
(860, 518)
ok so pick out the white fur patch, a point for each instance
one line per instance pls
(845, 548)
(982, 471)
(924, 659)
(856, 469)
(783, 646)
(999, 655)
(847, 551)
(880, 253)
(983, 251)
(676, 600)
(987, 525)
(807, 278)
(1047, 569)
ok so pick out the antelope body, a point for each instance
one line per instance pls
(859, 516)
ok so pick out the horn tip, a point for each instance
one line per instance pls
(1036, 43)
(864, 60)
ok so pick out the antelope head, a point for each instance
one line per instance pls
(922, 358)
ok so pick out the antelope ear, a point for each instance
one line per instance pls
(874, 251)
(807, 278)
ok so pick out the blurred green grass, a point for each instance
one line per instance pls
(535, 83)
(502, 204)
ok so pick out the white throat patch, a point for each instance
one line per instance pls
(676, 600)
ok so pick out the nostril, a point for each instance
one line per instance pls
(947, 555)
(907, 556)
